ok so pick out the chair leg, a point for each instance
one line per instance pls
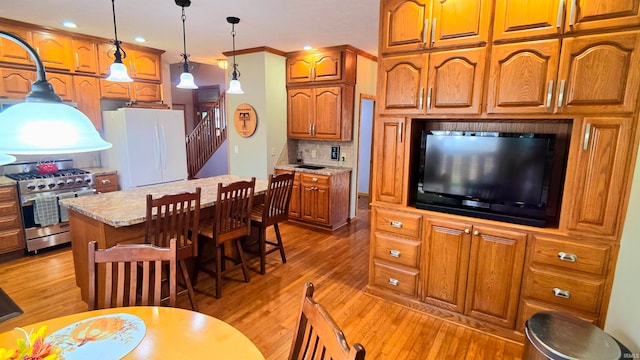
(219, 261)
(245, 270)
(187, 281)
(280, 246)
(262, 243)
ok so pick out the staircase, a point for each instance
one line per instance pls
(207, 137)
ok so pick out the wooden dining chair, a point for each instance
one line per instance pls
(275, 209)
(317, 335)
(132, 274)
(231, 223)
(176, 216)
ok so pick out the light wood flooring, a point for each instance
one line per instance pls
(266, 309)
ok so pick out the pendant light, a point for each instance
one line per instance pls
(186, 79)
(43, 124)
(6, 159)
(117, 70)
(234, 84)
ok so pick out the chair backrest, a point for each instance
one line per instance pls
(135, 271)
(232, 214)
(276, 201)
(175, 216)
(318, 336)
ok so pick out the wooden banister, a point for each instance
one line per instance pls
(207, 137)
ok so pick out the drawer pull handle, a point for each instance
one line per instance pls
(561, 293)
(567, 257)
(394, 253)
(396, 224)
(393, 282)
(106, 182)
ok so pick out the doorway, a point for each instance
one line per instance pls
(365, 140)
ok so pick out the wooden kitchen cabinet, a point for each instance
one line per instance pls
(524, 19)
(146, 91)
(599, 73)
(321, 66)
(106, 183)
(401, 84)
(10, 51)
(511, 92)
(54, 49)
(454, 84)
(11, 234)
(595, 182)
(315, 198)
(62, 85)
(16, 83)
(115, 90)
(389, 160)
(294, 202)
(144, 65)
(396, 238)
(320, 113)
(87, 91)
(414, 25)
(601, 14)
(85, 54)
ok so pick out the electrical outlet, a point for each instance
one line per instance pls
(273, 151)
(313, 154)
(235, 148)
(343, 157)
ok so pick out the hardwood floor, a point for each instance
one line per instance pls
(266, 309)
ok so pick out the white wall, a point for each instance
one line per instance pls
(623, 317)
(364, 150)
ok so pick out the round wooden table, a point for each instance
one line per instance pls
(171, 333)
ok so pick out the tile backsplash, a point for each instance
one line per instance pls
(322, 150)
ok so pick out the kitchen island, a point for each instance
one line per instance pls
(118, 217)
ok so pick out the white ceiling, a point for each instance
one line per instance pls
(285, 25)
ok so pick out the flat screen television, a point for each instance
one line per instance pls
(491, 175)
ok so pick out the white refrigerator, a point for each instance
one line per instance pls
(149, 146)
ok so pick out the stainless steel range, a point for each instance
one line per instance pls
(41, 187)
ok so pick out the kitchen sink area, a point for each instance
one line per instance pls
(309, 167)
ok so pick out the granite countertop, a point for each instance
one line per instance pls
(100, 171)
(129, 207)
(327, 170)
(5, 181)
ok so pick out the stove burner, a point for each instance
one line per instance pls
(33, 175)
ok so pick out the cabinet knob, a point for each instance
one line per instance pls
(396, 224)
(467, 231)
(314, 179)
(565, 294)
(393, 282)
(105, 182)
(567, 257)
(394, 253)
(476, 233)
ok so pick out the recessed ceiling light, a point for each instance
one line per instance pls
(139, 39)
(307, 47)
(69, 24)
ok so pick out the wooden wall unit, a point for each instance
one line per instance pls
(70, 60)
(11, 234)
(567, 67)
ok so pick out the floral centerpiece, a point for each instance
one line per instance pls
(32, 347)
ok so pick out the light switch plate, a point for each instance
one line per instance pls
(335, 152)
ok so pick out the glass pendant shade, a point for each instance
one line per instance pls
(47, 128)
(235, 88)
(6, 159)
(118, 73)
(186, 81)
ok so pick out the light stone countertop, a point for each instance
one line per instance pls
(328, 170)
(100, 171)
(129, 207)
(5, 181)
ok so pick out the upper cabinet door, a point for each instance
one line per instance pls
(599, 73)
(460, 22)
(401, 84)
(62, 85)
(10, 51)
(389, 160)
(16, 83)
(300, 113)
(54, 50)
(455, 81)
(404, 25)
(144, 65)
(85, 56)
(299, 68)
(600, 14)
(522, 77)
(327, 66)
(519, 19)
(328, 111)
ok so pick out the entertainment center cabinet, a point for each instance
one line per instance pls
(514, 67)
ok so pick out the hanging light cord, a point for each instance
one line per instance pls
(184, 42)
(116, 54)
(235, 66)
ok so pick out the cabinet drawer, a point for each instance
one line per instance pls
(528, 308)
(10, 222)
(7, 193)
(106, 183)
(574, 292)
(397, 250)
(589, 258)
(316, 179)
(9, 208)
(395, 278)
(401, 223)
(11, 240)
